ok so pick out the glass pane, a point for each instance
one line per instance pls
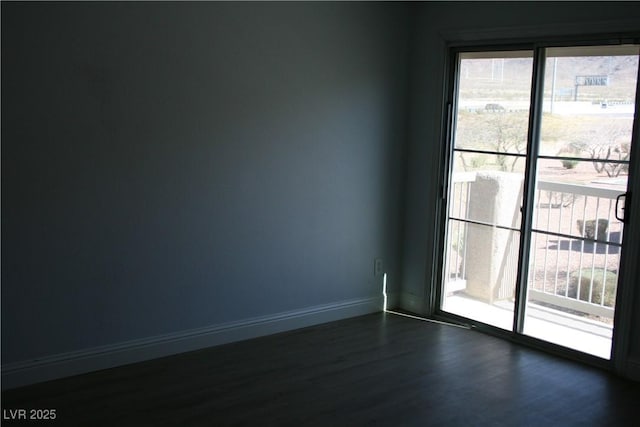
(481, 190)
(589, 99)
(493, 101)
(486, 188)
(571, 293)
(481, 273)
(589, 102)
(578, 201)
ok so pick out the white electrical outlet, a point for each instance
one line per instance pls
(378, 267)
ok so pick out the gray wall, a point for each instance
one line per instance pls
(173, 166)
(178, 165)
(435, 25)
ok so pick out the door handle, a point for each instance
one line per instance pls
(623, 217)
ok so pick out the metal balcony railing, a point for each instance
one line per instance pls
(575, 246)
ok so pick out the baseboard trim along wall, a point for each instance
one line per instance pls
(78, 362)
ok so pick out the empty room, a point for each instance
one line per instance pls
(320, 213)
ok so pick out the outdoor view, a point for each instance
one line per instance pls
(581, 169)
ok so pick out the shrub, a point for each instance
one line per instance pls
(569, 150)
(478, 162)
(590, 230)
(585, 277)
(569, 164)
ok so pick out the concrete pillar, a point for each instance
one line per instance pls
(492, 253)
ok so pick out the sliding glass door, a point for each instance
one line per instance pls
(540, 144)
(485, 190)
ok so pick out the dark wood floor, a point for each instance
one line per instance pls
(380, 369)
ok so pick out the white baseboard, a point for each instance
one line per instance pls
(78, 362)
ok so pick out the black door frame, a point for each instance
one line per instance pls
(623, 320)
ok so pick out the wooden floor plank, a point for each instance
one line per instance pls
(379, 369)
